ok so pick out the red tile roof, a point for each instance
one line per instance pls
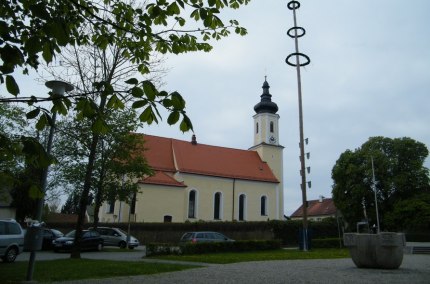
(171, 155)
(161, 178)
(317, 208)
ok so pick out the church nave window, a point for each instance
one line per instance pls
(192, 204)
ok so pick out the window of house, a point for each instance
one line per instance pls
(217, 206)
(271, 127)
(192, 204)
(263, 206)
(167, 219)
(242, 207)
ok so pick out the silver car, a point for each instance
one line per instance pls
(11, 240)
(199, 237)
(116, 237)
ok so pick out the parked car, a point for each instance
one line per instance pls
(116, 237)
(91, 240)
(11, 239)
(49, 235)
(197, 237)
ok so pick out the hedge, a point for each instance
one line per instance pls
(327, 243)
(211, 247)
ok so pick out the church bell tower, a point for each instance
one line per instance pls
(266, 141)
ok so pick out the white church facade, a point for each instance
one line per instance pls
(194, 181)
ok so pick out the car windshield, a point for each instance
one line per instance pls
(122, 231)
(57, 233)
(71, 234)
(187, 236)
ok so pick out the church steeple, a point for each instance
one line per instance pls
(266, 105)
(266, 141)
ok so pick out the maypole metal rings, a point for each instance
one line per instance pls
(295, 29)
(295, 33)
(292, 5)
(308, 60)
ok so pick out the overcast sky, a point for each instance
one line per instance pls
(369, 76)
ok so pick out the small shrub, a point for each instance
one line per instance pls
(327, 243)
(161, 249)
(237, 246)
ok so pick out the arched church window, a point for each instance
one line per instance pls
(242, 207)
(217, 206)
(256, 128)
(271, 127)
(192, 204)
(263, 206)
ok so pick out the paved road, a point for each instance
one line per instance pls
(414, 269)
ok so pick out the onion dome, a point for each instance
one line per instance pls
(266, 105)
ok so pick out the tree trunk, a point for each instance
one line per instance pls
(83, 202)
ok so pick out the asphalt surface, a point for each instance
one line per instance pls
(414, 269)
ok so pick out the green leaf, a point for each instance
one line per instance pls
(47, 52)
(32, 114)
(173, 118)
(186, 124)
(139, 104)
(11, 85)
(177, 101)
(150, 90)
(132, 81)
(137, 92)
(42, 122)
(147, 115)
(100, 126)
(173, 9)
(167, 103)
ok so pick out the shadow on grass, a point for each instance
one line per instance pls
(76, 269)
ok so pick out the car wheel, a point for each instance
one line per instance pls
(122, 244)
(99, 247)
(10, 255)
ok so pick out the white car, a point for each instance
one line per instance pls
(11, 239)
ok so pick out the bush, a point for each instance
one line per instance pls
(327, 243)
(161, 249)
(237, 246)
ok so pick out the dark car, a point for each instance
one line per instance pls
(197, 237)
(50, 235)
(91, 240)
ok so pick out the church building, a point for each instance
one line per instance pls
(194, 181)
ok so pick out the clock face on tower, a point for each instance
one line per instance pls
(272, 139)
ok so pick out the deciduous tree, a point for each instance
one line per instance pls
(400, 175)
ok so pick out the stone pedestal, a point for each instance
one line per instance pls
(383, 250)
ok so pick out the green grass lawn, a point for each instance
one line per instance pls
(74, 269)
(283, 254)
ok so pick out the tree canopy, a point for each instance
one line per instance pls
(400, 175)
(35, 31)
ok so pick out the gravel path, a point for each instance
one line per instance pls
(414, 269)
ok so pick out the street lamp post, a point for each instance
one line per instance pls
(58, 88)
